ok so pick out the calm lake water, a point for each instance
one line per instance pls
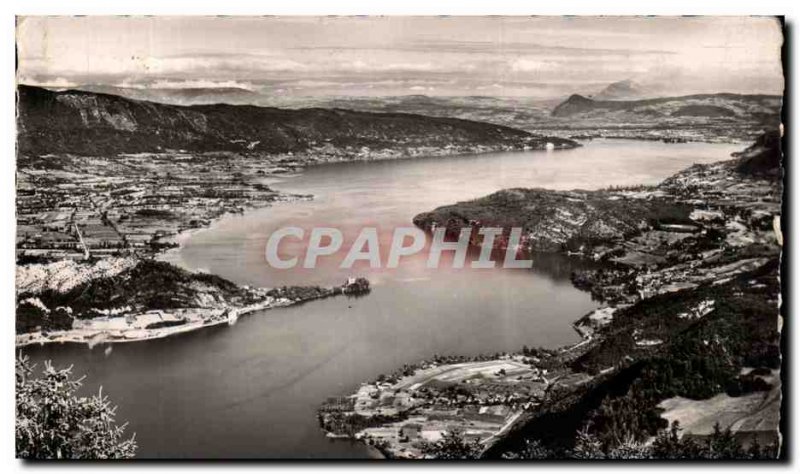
(251, 390)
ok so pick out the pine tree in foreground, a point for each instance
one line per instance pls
(54, 423)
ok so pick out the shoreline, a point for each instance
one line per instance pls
(371, 425)
(171, 255)
(92, 337)
(516, 418)
(227, 315)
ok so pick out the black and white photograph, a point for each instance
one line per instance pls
(400, 237)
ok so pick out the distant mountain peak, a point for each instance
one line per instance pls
(625, 89)
(577, 99)
(761, 110)
(576, 103)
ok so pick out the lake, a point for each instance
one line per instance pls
(252, 389)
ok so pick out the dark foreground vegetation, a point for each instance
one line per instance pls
(731, 350)
(53, 422)
(668, 445)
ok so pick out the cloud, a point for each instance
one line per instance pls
(393, 54)
(490, 86)
(528, 65)
(55, 83)
(190, 84)
(229, 62)
(360, 65)
(550, 50)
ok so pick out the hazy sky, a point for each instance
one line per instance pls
(530, 56)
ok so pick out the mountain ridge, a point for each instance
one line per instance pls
(89, 123)
(621, 90)
(738, 104)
